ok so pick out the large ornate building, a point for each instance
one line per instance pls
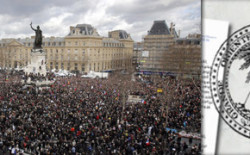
(156, 46)
(165, 53)
(82, 50)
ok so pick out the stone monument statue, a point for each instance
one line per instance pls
(38, 38)
(37, 64)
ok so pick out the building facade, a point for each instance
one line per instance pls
(186, 57)
(165, 53)
(156, 45)
(82, 50)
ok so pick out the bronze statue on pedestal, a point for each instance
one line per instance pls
(38, 38)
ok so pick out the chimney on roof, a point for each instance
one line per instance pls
(71, 29)
(179, 33)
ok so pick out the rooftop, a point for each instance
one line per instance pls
(85, 29)
(159, 28)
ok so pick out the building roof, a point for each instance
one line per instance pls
(159, 28)
(5, 41)
(85, 29)
(55, 39)
(123, 34)
(195, 41)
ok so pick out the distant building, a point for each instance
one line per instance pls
(193, 36)
(138, 48)
(165, 53)
(186, 56)
(82, 50)
(156, 45)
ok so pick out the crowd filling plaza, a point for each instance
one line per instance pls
(76, 115)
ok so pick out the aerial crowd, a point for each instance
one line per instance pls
(76, 115)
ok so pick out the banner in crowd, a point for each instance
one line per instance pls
(185, 134)
(190, 135)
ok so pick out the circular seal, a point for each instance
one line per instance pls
(230, 81)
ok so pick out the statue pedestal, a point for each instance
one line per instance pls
(37, 63)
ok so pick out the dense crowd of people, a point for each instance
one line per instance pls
(78, 115)
(37, 77)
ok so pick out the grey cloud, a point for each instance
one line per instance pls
(27, 7)
(142, 13)
(145, 9)
(137, 14)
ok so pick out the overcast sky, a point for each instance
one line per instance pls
(134, 16)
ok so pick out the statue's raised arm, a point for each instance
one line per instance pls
(32, 27)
